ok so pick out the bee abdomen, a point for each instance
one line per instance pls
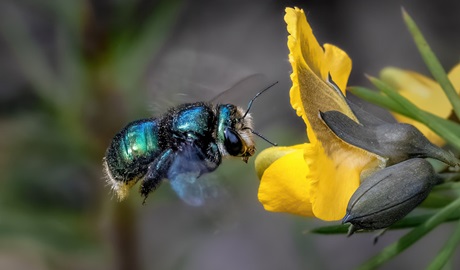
(132, 150)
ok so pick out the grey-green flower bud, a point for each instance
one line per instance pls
(390, 194)
(395, 141)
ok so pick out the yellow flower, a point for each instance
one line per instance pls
(316, 178)
(423, 92)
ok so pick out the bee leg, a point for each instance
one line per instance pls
(156, 172)
(213, 157)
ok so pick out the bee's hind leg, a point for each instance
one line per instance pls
(156, 172)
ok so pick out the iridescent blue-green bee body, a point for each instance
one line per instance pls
(133, 149)
(186, 142)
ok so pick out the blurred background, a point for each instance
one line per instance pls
(73, 73)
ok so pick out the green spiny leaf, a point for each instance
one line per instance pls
(446, 252)
(413, 236)
(433, 63)
(444, 128)
(378, 99)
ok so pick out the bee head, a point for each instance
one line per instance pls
(235, 132)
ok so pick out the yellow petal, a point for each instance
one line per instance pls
(293, 17)
(338, 65)
(420, 90)
(265, 158)
(283, 187)
(423, 92)
(310, 92)
(334, 166)
(334, 178)
(304, 41)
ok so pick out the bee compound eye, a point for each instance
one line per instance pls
(233, 143)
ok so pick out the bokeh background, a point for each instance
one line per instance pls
(75, 72)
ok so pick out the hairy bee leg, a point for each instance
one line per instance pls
(156, 172)
(213, 157)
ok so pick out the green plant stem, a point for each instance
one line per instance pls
(378, 98)
(442, 127)
(433, 63)
(407, 222)
(413, 236)
(446, 252)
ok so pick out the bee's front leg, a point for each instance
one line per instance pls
(156, 172)
(213, 158)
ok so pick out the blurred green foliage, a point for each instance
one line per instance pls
(82, 90)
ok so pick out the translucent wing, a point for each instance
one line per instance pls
(185, 76)
(187, 179)
(246, 89)
(239, 94)
(242, 91)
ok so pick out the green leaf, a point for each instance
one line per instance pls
(436, 200)
(413, 111)
(446, 252)
(378, 98)
(333, 229)
(433, 63)
(443, 127)
(447, 186)
(407, 222)
(413, 236)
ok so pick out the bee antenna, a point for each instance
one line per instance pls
(252, 100)
(262, 137)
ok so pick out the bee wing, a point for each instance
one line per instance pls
(246, 90)
(187, 75)
(186, 177)
(241, 92)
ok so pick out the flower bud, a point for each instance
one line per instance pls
(390, 194)
(395, 141)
